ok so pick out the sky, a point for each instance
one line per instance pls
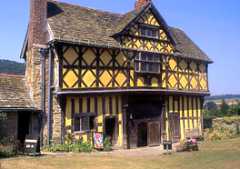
(214, 25)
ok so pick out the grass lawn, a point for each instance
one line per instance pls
(212, 155)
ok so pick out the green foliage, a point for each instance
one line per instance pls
(107, 144)
(73, 147)
(8, 147)
(223, 110)
(11, 67)
(82, 147)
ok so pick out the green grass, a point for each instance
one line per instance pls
(212, 155)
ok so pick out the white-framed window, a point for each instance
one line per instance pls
(84, 122)
(147, 63)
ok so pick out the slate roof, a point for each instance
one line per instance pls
(77, 24)
(13, 92)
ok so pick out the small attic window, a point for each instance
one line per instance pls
(150, 32)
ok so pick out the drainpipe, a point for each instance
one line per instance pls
(50, 75)
(43, 54)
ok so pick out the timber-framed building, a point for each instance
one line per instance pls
(130, 76)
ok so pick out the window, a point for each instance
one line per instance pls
(149, 32)
(147, 63)
(84, 122)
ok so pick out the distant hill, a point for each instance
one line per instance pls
(227, 96)
(230, 99)
(12, 67)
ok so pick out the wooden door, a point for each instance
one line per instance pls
(174, 126)
(154, 133)
(142, 133)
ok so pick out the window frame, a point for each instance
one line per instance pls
(80, 117)
(146, 29)
(144, 59)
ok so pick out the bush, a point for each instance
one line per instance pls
(107, 144)
(83, 147)
(8, 147)
(75, 147)
(7, 151)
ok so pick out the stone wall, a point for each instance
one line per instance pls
(223, 128)
(227, 123)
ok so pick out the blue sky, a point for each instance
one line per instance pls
(213, 24)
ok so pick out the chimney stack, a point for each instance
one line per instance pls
(141, 3)
(38, 22)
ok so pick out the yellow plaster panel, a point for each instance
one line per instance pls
(176, 105)
(76, 108)
(121, 78)
(199, 113)
(172, 80)
(194, 83)
(172, 64)
(184, 81)
(84, 104)
(100, 114)
(195, 112)
(92, 104)
(114, 105)
(68, 117)
(164, 81)
(181, 121)
(84, 137)
(132, 78)
(89, 57)
(106, 58)
(170, 103)
(154, 82)
(140, 82)
(151, 20)
(163, 35)
(121, 59)
(89, 77)
(190, 112)
(107, 105)
(203, 84)
(170, 48)
(186, 112)
(70, 55)
(137, 43)
(106, 78)
(71, 78)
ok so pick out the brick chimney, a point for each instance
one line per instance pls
(38, 22)
(141, 3)
(37, 39)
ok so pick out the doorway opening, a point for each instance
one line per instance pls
(142, 135)
(110, 128)
(23, 126)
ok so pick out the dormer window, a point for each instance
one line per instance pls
(150, 32)
(147, 63)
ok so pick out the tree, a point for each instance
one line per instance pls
(224, 108)
(211, 109)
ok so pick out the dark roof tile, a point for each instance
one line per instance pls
(13, 92)
(76, 24)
